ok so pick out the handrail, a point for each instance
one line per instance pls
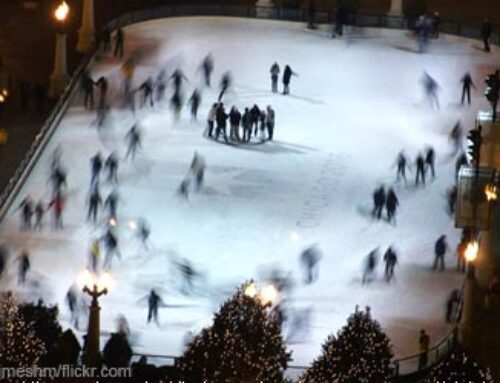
(27, 164)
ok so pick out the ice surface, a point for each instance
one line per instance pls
(355, 104)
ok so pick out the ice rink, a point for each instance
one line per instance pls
(355, 103)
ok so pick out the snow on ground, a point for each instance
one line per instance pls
(355, 104)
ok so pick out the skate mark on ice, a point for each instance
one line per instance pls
(322, 192)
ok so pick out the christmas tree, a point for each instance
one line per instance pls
(19, 345)
(459, 367)
(244, 344)
(360, 353)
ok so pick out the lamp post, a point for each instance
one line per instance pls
(468, 310)
(86, 33)
(95, 286)
(59, 77)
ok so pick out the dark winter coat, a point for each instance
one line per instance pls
(391, 200)
(234, 117)
(379, 197)
(287, 75)
(440, 247)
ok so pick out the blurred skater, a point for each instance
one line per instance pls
(430, 158)
(287, 76)
(420, 166)
(95, 169)
(270, 122)
(234, 122)
(452, 199)
(370, 265)
(207, 66)
(456, 137)
(211, 119)
(275, 72)
(26, 207)
(58, 204)
(195, 101)
(94, 256)
(467, 84)
(391, 204)
(154, 302)
(160, 85)
(225, 83)
(133, 137)
(378, 202)
(431, 88)
(197, 170)
(73, 304)
(111, 248)
(390, 259)
(95, 201)
(23, 267)
(102, 84)
(111, 166)
(147, 92)
(309, 259)
(401, 165)
(111, 204)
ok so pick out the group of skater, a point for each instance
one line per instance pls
(254, 122)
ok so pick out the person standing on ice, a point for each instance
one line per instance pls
(378, 202)
(287, 76)
(211, 119)
(234, 121)
(57, 205)
(24, 266)
(390, 259)
(133, 137)
(246, 121)
(420, 166)
(197, 170)
(262, 119)
(154, 301)
(195, 101)
(95, 201)
(270, 122)
(370, 265)
(391, 204)
(440, 249)
(160, 85)
(452, 199)
(275, 72)
(221, 119)
(58, 179)
(431, 88)
(177, 78)
(255, 115)
(95, 169)
(401, 164)
(309, 259)
(119, 42)
(176, 104)
(430, 158)
(208, 67)
(147, 92)
(225, 83)
(467, 84)
(111, 166)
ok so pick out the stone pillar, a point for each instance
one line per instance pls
(86, 33)
(59, 77)
(264, 8)
(396, 8)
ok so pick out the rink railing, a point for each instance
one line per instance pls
(40, 141)
(321, 16)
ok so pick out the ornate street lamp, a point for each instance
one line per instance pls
(59, 77)
(95, 286)
(86, 33)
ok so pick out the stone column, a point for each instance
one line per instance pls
(59, 77)
(86, 33)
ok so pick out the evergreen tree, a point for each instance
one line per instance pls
(360, 353)
(19, 345)
(117, 351)
(244, 344)
(459, 367)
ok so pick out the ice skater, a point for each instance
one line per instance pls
(57, 204)
(208, 67)
(111, 204)
(431, 88)
(160, 86)
(73, 304)
(111, 248)
(95, 201)
(370, 265)
(27, 210)
(197, 170)
(183, 189)
(102, 85)
(211, 119)
(225, 83)
(176, 102)
(111, 166)
(287, 76)
(177, 78)
(246, 121)
(275, 72)
(378, 202)
(420, 167)
(262, 122)
(456, 137)
(401, 166)
(133, 137)
(309, 259)
(195, 101)
(87, 88)
(188, 274)
(119, 42)
(95, 169)
(23, 267)
(270, 122)
(440, 249)
(255, 115)
(154, 301)
(430, 158)
(391, 204)
(390, 259)
(451, 196)
(486, 34)
(467, 84)
(147, 88)
(143, 231)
